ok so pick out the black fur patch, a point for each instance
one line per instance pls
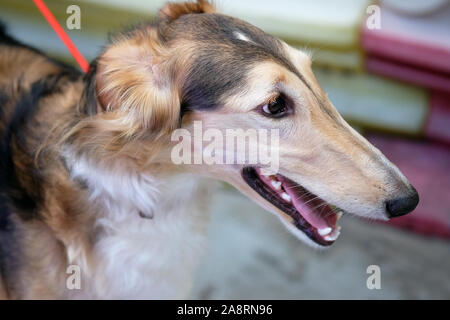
(89, 100)
(8, 243)
(24, 199)
(9, 246)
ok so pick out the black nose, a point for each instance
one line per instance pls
(401, 206)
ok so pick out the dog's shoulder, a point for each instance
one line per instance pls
(33, 90)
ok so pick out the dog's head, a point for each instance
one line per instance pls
(195, 66)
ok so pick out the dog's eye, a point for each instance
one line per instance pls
(276, 108)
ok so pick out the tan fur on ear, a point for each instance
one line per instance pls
(133, 78)
(172, 11)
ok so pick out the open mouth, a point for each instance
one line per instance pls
(310, 214)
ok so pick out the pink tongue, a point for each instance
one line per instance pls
(313, 209)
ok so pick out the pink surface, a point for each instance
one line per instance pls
(423, 77)
(427, 166)
(438, 124)
(422, 41)
(406, 50)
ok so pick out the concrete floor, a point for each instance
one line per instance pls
(252, 256)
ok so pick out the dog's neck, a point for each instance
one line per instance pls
(119, 189)
(146, 223)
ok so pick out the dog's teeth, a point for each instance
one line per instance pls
(286, 197)
(333, 236)
(276, 184)
(324, 231)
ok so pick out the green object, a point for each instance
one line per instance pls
(376, 102)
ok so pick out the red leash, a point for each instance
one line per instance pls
(62, 35)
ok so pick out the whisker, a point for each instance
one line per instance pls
(297, 187)
(322, 211)
(307, 197)
(304, 193)
(320, 205)
(310, 200)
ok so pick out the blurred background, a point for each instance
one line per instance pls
(386, 67)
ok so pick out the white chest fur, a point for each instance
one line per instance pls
(135, 257)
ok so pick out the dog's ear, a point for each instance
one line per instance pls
(134, 80)
(172, 11)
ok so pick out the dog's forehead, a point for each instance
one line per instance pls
(239, 37)
(225, 51)
(215, 26)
